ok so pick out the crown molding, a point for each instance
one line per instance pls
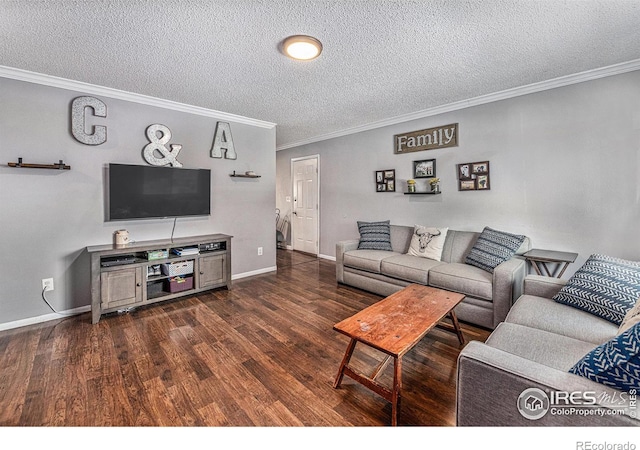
(567, 80)
(72, 85)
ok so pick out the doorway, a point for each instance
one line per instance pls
(305, 217)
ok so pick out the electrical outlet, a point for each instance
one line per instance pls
(47, 284)
(259, 251)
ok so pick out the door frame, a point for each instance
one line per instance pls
(302, 158)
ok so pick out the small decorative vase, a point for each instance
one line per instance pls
(411, 186)
(435, 187)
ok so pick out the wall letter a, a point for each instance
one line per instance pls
(223, 142)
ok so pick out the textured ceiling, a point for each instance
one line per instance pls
(381, 58)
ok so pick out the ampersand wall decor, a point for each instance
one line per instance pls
(155, 153)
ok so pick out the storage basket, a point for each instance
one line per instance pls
(178, 268)
(179, 284)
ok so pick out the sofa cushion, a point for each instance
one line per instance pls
(492, 248)
(368, 260)
(545, 314)
(458, 245)
(632, 318)
(401, 238)
(407, 267)
(615, 363)
(374, 236)
(543, 347)
(604, 286)
(427, 242)
(462, 278)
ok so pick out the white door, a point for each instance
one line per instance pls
(304, 220)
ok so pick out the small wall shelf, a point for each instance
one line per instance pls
(59, 166)
(423, 193)
(243, 175)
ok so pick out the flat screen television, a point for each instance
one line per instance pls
(150, 192)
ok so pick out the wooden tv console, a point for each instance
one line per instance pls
(121, 278)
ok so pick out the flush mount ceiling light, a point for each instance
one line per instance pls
(302, 47)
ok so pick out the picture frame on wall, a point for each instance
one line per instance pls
(480, 168)
(464, 171)
(467, 185)
(386, 180)
(474, 176)
(482, 182)
(425, 168)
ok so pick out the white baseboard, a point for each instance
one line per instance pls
(254, 272)
(84, 309)
(330, 258)
(45, 318)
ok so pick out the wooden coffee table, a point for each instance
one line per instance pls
(394, 326)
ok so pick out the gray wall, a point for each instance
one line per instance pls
(48, 217)
(564, 165)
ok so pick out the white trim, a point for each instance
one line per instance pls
(45, 318)
(581, 77)
(84, 309)
(63, 83)
(254, 272)
(330, 258)
(302, 158)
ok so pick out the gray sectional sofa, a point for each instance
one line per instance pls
(539, 341)
(489, 296)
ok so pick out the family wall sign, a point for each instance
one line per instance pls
(428, 139)
(156, 151)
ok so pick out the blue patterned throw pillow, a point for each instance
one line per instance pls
(615, 363)
(492, 248)
(375, 236)
(604, 286)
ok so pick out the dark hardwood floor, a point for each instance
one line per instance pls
(262, 354)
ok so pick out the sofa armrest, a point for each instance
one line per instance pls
(541, 286)
(490, 381)
(341, 248)
(507, 286)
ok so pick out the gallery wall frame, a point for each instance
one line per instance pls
(474, 176)
(425, 168)
(386, 180)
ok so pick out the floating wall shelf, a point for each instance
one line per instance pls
(423, 193)
(243, 175)
(59, 166)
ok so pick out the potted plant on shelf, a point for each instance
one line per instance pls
(411, 185)
(435, 184)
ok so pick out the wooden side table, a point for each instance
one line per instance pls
(540, 258)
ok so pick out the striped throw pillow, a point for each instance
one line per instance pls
(375, 236)
(604, 286)
(615, 363)
(492, 248)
